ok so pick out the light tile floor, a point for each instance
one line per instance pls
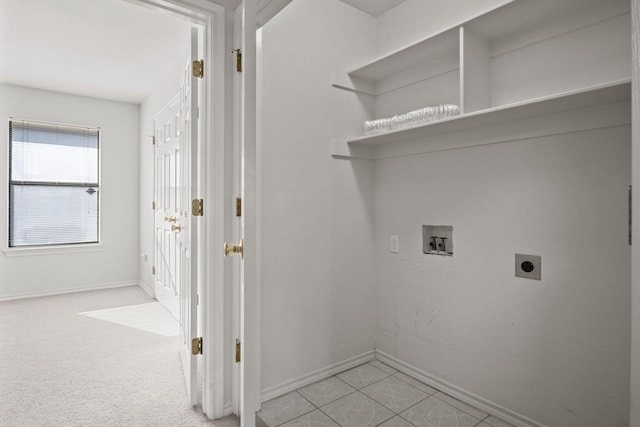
(373, 394)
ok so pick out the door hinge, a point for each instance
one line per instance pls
(196, 346)
(198, 68)
(153, 140)
(197, 208)
(153, 271)
(153, 205)
(238, 206)
(238, 53)
(238, 351)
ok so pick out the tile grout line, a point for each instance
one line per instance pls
(462, 410)
(329, 416)
(386, 376)
(397, 413)
(301, 415)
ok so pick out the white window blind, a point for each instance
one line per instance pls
(54, 184)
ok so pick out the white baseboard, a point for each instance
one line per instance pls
(459, 393)
(320, 374)
(69, 290)
(146, 288)
(228, 409)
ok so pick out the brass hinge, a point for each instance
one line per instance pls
(196, 346)
(237, 351)
(198, 68)
(238, 206)
(153, 271)
(197, 208)
(153, 205)
(153, 140)
(238, 53)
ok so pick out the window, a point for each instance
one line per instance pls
(54, 184)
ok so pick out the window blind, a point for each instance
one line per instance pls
(54, 184)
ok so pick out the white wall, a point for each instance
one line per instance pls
(116, 261)
(317, 224)
(556, 351)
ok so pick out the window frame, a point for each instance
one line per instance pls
(70, 247)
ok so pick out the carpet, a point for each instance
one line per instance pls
(59, 368)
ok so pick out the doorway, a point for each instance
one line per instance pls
(211, 18)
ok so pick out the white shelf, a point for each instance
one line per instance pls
(534, 60)
(421, 139)
(438, 53)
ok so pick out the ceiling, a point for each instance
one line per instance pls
(374, 7)
(106, 49)
(110, 49)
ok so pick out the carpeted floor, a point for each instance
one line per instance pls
(92, 359)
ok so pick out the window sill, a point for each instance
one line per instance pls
(51, 250)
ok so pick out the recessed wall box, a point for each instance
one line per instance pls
(437, 240)
(528, 266)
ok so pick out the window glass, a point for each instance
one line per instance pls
(53, 184)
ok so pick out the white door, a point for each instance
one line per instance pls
(188, 233)
(249, 366)
(176, 228)
(167, 147)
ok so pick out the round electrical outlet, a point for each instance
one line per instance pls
(527, 266)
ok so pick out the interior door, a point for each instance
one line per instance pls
(176, 228)
(249, 291)
(167, 148)
(188, 224)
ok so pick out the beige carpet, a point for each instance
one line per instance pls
(92, 359)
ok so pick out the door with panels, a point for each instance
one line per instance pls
(177, 212)
(167, 194)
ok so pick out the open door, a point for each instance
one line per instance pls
(246, 245)
(187, 221)
(176, 225)
(167, 146)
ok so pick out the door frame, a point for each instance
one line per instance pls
(634, 415)
(212, 120)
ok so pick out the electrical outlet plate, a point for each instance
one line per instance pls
(394, 244)
(529, 266)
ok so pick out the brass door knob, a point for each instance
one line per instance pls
(234, 249)
(170, 218)
(176, 228)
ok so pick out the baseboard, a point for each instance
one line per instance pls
(228, 409)
(459, 393)
(146, 288)
(320, 374)
(69, 291)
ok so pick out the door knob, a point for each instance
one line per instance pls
(234, 249)
(170, 218)
(175, 228)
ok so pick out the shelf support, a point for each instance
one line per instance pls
(343, 150)
(344, 81)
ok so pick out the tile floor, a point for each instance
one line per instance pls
(372, 394)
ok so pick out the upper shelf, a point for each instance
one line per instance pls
(394, 142)
(442, 44)
(439, 52)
